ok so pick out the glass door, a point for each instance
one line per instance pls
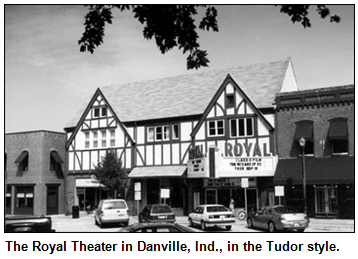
(326, 201)
(211, 196)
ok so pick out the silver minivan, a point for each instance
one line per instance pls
(111, 211)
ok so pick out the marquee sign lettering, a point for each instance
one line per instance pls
(246, 149)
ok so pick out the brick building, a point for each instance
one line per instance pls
(325, 119)
(34, 170)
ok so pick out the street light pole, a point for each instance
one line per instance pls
(302, 143)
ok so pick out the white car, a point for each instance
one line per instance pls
(212, 215)
(111, 211)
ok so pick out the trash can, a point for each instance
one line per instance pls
(75, 212)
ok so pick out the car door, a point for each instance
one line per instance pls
(259, 219)
(197, 215)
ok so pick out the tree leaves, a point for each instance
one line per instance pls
(170, 26)
(298, 13)
(110, 173)
(174, 26)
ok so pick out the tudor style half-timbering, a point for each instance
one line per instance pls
(97, 131)
(232, 141)
(157, 126)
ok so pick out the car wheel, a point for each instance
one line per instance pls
(95, 221)
(140, 218)
(249, 223)
(203, 225)
(100, 223)
(228, 227)
(191, 224)
(300, 230)
(271, 227)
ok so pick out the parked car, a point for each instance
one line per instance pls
(28, 223)
(112, 211)
(156, 213)
(212, 215)
(157, 227)
(275, 218)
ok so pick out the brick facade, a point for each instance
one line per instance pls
(31, 190)
(318, 106)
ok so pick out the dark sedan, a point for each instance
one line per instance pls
(156, 213)
(275, 218)
(157, 227)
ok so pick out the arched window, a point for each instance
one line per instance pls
(23, 161)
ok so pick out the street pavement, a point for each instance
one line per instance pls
(85, 223)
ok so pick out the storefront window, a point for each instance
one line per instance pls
(24, 202)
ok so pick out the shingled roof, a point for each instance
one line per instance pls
(187, 95)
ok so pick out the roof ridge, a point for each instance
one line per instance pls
(197, 73)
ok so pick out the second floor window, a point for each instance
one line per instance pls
(338, 136)
(23, 161)
(216, 128)
(242, 127)
(161, 133)
(304, 129)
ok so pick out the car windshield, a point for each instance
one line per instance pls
(114, 205)
(161, 209)
(216, 209)
(283, 210)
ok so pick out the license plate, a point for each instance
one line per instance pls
(296, 224)
(162, 217)
(120, 215)
(222, 217)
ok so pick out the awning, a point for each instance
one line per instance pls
(57, 157)
(304, 130)
(21, 157)
(333, 170)
(338, 129)
(157, 171)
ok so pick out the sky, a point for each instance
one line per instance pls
(48, 80)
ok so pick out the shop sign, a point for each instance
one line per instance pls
(246, 149)
(247, 164)
(88, 182)
(165, 193)
(196, 152)
(230, 182)
(279, 191)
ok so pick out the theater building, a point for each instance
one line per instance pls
(186, 140)
(325, 119)
(34, 172)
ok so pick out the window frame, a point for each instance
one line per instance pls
(100, 111)
(332, 143)
(245, 127)
(230, 100)
(164, 131)
(216, 128)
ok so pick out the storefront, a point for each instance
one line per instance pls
(88, 193)
(330, 185)
(161, 184)
(224, 177)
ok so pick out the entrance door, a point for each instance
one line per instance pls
(52, 200)
(211, 196)
(326, 201)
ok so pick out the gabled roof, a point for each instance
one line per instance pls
(228, 80)
(187, 95)
(85, 112)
